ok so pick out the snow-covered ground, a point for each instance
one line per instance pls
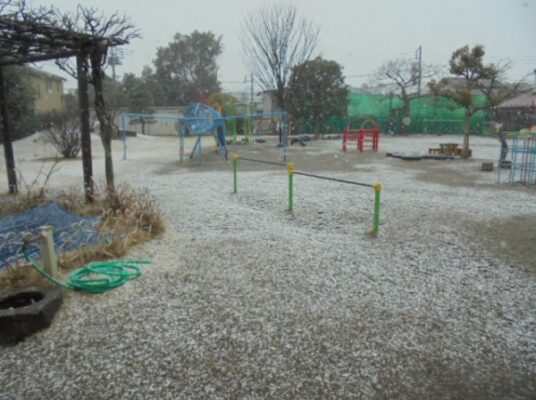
(244, 300)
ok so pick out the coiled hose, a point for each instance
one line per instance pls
(97, 277)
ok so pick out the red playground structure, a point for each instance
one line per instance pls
(364, 135)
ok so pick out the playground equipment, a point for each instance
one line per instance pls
(279, 119)
(522, 164)
(163, 119)
(201, 120)
(363, 136)
(291, 170)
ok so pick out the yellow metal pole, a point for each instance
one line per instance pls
(235, 172)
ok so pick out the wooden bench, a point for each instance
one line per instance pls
(487, 166)
(459, 152)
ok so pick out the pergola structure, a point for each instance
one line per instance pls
(27, 38)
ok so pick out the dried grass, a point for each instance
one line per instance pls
(31, 193)
(21, 276)
(130, 217)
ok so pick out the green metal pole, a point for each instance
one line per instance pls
(290, 167)
(234, 131)
(377, 198)
(235, 171)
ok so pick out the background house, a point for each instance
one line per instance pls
(519, 112)
(48, 90)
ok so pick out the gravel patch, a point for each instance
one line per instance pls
(244, 300)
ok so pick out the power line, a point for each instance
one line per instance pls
(235, 82)
(357, 76)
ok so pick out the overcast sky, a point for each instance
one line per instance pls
(359, 34)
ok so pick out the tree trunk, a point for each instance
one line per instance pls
(466, 134)
(108, 165)
(6, 138)
(406, 111)
(85, 131)
(105, 120)
(316, 129)
(280, 96)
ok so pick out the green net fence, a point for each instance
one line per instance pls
(428, 115)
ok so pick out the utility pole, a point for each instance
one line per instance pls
(419, 58)
(251, 80)
(115, 59)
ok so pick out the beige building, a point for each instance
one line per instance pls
(48, 90)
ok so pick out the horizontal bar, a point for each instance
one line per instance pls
(224, 118)
(334, 179)
(262, 161)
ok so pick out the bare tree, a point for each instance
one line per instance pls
(107, 31)
(467, 65)
(274, 40)
(404, 75)
(19, 10)
(62, 130)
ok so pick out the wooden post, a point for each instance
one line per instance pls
(48, 251)
(6, 138)
(83, 101)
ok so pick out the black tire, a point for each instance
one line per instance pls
(26, 311)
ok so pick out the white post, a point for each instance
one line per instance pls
(48, 251)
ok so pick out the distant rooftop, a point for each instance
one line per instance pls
(525, 100)
(44, 74)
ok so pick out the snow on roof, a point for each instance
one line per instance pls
(524, 100)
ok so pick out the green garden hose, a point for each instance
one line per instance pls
(97, 277)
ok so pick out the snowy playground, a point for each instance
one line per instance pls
(247, 300)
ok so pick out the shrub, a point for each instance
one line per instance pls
(130, 216)
(62, 130)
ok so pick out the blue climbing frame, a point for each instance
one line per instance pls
(522, 151)
(201, 120)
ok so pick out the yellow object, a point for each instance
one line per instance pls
(377, 187)
(235, 157)
(291, 168)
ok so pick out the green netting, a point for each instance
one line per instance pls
(428, 114)
(334, 124)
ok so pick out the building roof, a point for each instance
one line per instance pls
(525, 100)
(456, 83)
(44, 74)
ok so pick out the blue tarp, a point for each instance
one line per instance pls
(70, 231)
